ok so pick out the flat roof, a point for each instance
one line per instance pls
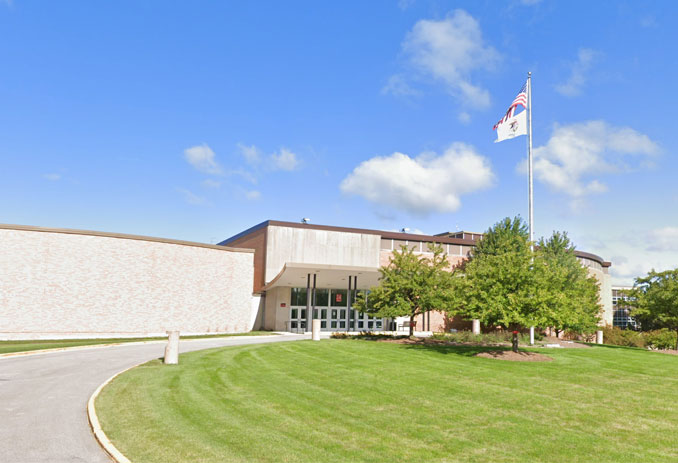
(387, 235)
(382, 233)
(69, 231)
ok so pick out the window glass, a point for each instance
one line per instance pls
(342, 324)
(298, 296)
(323, 324)
(342, 314)
(339, 297)
(333, 324)
(334, 314)
(323, 313)
(303, 314)
(315, 313)
(294, 314)
(322, 297)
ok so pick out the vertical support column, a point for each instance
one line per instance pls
(309, 316)
(313, 299)
(476, 326)
(348, 305)
(355, 290)
(172, 348)
(532, 335)
(599, 337)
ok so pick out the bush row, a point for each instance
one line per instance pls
(489, 338)
(656, 339)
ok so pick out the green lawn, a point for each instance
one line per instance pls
(349, 400)
(23, 346)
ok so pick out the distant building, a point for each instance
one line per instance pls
(620, 315)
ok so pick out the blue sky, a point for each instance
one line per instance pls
(197, 120)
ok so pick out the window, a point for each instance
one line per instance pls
(322, 297)
(339, 298)
(298, 296)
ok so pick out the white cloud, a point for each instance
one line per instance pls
(578, 152)
(578, 73)
(405, 4)
(209, 183)
(202, 158)
(397, 85)
(464, 117)
(649, 21)
(450, 50)
(251, 153)
(285, 160)
(52, 177)
(663, 239)
(421, 185)
(253, 194)
(190, 197)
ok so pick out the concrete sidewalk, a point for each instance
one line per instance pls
(43, 398)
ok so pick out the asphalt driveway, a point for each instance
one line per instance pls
(43, 398)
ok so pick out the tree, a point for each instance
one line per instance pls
(566, 297)
(654, 300)
(410, 285)
(496, 284)
(505, 284)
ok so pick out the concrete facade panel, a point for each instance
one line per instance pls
(309, 246)
(70, 284)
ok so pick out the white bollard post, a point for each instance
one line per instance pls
(532, 335)
(599, 337)
(476, 326)
(172, 348)
(315, 335)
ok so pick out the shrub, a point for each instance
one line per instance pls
(495, 337)
(618, 337)
(660, 339)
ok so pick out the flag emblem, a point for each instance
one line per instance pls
(511, 124)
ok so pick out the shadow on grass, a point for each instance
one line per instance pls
(461, 350)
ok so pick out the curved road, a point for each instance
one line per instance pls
(43, 397)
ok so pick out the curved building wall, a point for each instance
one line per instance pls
(64, 283)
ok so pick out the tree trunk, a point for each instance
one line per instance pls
(411, 325)
(676, 338)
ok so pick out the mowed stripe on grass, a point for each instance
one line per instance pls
(349, 400)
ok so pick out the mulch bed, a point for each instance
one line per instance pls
(520, 356)
(667, 351)
(438, 342)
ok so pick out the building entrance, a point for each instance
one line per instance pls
(331, 308)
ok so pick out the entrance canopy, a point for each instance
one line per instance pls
(327, 276)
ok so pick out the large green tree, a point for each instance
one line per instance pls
(411, 284)
(496, 284)
(654, 300)
(505, 284)
(566, 297)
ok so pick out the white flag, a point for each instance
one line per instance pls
(512, 127)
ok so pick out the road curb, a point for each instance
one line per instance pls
(93, 419)
(27, 353)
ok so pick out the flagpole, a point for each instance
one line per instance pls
(529, 163)
(529, 156)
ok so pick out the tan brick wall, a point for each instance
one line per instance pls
(55, 284)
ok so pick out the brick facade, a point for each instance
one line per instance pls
(60, 283)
